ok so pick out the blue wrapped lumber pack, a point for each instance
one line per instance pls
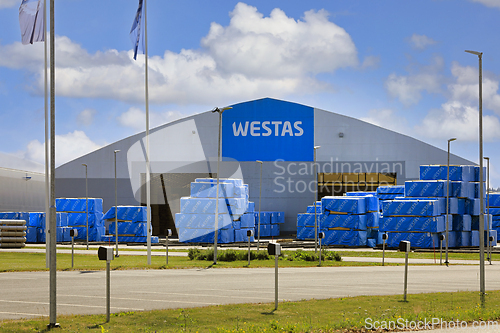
(236, 214)
(75, 211)
(79, 205)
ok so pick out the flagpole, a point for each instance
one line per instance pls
(53, 233)
(148, 176)
(47, 192)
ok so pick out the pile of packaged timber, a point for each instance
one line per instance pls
(132, 225)
(12, 233)
(73, 211)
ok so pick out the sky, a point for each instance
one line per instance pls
(397, 64)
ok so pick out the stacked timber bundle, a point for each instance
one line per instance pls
(12, 233)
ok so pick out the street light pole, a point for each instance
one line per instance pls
(448, 198)
(87, 202)
(260, 197)
(482, 288)
(216, 235)
(116, 210)
(315, 200)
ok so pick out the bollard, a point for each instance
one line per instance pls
(73, 233)
(405, 246)
(249, 235)
(384, 238)
(321, 235)
(169, 233)
(275, 249)
(106, 253)
(441, 239)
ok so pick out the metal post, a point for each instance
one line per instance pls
(87, 202)
(383, 252)
(448, 199)
(440, 251)
(406, 274)
(52, 215)
(108, 288)
(260, 197)
(248, 250)
(320, 251)
(47, 158)
(315, 200)
(276, 282)
(72, 250)
(169, 232)
(148, 169)
(116, 210)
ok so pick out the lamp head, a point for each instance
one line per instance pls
(452, 139)
(316, 147)
(85, 165)
(117, 150)
(487, 158)
(474, 52)
(259, 161)
(222, 109)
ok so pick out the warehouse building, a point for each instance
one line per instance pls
(350, 155)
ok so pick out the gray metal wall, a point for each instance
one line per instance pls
(190, 145)
(21, 191)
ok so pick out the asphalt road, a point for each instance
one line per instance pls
(26, 294)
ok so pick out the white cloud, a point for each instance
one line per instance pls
(455, 119)
(408, 89)
(255, 56)
(370, 62)
(389, 119)
(68, 147)
(489, 3)
(8, 3)
(466, 88)
(136, 118)
(86, 117)
(421, 42)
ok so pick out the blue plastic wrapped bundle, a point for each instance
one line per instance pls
(235, 182)
(461, 223)
(265, 218)
(371, 242)
(202, 206)
(32, 219)
(95, 233)
(372, 220)
(265, 230)
(353, 205)
(310, 209)
(279, 217)
(494, 211)
(307, 220)
(133, 239)
(493, 199)
(425, 240)
(95, 219)
(9, 215)
(236, 225)
(344, 237)
(441, 202)
(388, 196)
(208, 190)
(372, 203)
(440, 172)
(40, 235)
(127, 213)
(372, 232)
(396, 189)
(248, 220)
(79, 205)
(31, 234)
(251, 207)
(350, 221)
(476, 173)
(241, 236)
(475, 237)
(463, 238)
(411, 208)
(360, 194)
(473, 207)
(425, 188)
(241, 191)
(487, 222)
(475, 190)
(201, 221)
(275, 230)
(305, 233)
(129, 229)
(460, 190)
(412, 223)
(457, 206)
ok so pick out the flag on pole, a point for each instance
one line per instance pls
(137, 32)
(31, 20)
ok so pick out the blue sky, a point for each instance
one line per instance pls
(397, 64)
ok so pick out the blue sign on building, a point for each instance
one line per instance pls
(268, 130)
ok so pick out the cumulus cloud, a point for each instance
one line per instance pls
(254, 55)
(455, 119)
(68, 147)
(389, 119)
(408, 88)
(136, 118)
(370, 62)
(86, 117)
(8, 3)
(488, 3)
(421, 42)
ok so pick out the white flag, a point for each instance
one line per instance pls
(31, 20)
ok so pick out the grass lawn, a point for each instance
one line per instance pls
(330, 315)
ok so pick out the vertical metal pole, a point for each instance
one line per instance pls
(116, 211)
(260, 197)
(315, 199)
(406, 274)
(72, 250)
(248, 250)
(166, 245)
(148, 170)
(383, 252)
(108, 292)
(488, 207)
(87, 202)
(53, 224)
(216, 235)
(319, 250)
(440, 251)
(447, 201)
(47, 157)
(276, 282)
(481, 185)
